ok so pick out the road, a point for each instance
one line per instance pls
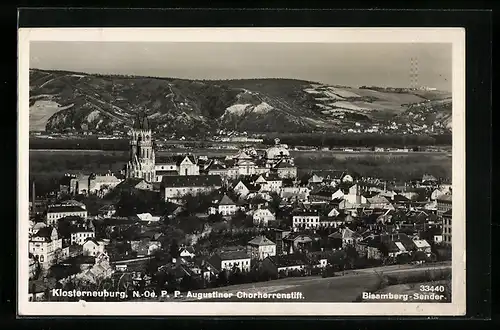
(342, 288)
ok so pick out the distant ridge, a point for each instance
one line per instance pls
(76, 101)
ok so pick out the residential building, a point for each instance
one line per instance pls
(271, 183)
(261, 247)
(345, 237)
(422, 245)
(305, 220)
(447, 226)
(225, 207)
(285, 169)
(229, 260)
(145, 246)
(187, 252)
(56, 212)
(107, 211)
(148, 217)
(45, 246)
(175, 187)
(262, 216)
(79, 235)
(444, 204)
(92, 247)
(102, 182)
(284, 264)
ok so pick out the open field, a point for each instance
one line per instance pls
(342, 288)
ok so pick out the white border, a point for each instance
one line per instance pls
(456, 36)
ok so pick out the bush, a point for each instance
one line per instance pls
(328, 271)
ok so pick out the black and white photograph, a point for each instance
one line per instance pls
(310, 171)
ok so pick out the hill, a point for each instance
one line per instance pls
(69, 101)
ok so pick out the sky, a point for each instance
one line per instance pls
(352, 64)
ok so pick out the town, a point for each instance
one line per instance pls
(190, 222)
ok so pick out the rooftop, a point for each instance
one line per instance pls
(261, 241)
(226, 201)
(191, 181)
(65, 209)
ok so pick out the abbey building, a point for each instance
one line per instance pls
(141, 162)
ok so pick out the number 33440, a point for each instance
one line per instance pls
(432, 288)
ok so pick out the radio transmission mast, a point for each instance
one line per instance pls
(414, 73)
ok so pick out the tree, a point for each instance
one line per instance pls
(275, 202)
(222, 278)
(238, 219)
(403, 258)
(57, 257)
(174, 249)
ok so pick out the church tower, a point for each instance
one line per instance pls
(141, 162)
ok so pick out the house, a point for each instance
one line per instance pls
(295, 193)
(428, 179)
(422, 245)
(333, 213)
(187, 252)
(56, 212)
(101, 269)
(217, 168)
(284, 264)
(379, 202)
(241, 189)
(102, 183)
(326, 194)
(148, 217)
(389, 245)
(107, 211)
(295, 242)
(443, 204)
(354, 194)
(261, 247)
(92, 247)
(305, 220)
(314, 179)
(133, 184)
(225, 207)
(262, 216)
(325, 221)
(270, 182)
(345, 237)
(436, 193)
(229, 260)
(145, 246)
(45, 246)
(175, 187)
(80, 234)
(285, 169)
(447, 226)
(35, 227)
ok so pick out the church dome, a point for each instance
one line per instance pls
(141, 121)
(277, 151)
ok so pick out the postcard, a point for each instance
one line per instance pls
(241, 171)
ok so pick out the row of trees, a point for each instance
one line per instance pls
(359, 140)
